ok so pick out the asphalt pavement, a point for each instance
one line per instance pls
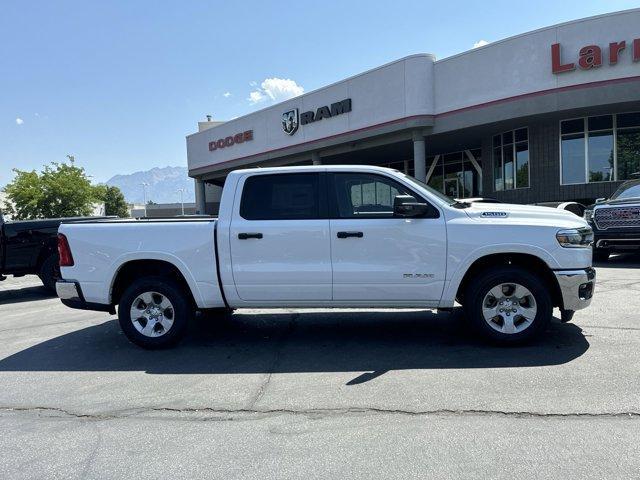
(320, 394)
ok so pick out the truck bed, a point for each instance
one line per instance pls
(102, 247)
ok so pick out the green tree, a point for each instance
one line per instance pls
(59, 190)
(114, 202)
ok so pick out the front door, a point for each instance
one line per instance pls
(279, 238)
(377, 257)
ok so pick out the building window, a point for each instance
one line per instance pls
(627, 145)
(511, 160)
(458, 174)
(602, 148)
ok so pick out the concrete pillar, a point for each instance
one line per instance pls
(419, 156)
(315, 158)
(406, 167)
(200, 196)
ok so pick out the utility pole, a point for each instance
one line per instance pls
(181, 190)
(144, 196)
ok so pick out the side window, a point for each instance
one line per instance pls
(361, 195)
(292, 196)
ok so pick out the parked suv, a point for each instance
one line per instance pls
(616, 221)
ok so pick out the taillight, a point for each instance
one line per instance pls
(64, 252)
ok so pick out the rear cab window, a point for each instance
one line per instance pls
(282, 196)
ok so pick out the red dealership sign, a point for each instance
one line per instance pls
(231, 140)
(590, 56)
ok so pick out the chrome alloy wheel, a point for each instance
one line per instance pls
(509, 308)
(152, 314)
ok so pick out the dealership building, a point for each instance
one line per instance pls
(548, 115)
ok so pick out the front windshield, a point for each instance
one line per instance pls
(440, 195)
(629, 189)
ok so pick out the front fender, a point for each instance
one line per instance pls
(459, 267)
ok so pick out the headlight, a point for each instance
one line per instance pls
(588, 215)
(575, 237)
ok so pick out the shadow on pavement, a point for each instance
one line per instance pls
(337, 341)
(624, 260)
(25, 294)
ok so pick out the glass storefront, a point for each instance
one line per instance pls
(511, 160)
(627, 145)
(455, 174)
(603, 148)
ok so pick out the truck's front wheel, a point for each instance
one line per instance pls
(508, 305)
(154, 312)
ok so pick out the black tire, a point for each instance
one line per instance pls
(181, 306)
(600, 255)
(479, 288)
(50, 273)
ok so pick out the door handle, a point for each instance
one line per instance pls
(350, 234)
(245, 236)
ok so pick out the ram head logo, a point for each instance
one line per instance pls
(290, 121)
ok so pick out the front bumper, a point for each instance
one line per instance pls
(576, 287)
(618, 242)
(70, 294)
(616, 239)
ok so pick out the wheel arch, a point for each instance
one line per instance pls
(527, 261)
(131, 269)
(45, 253)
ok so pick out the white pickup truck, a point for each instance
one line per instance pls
(332, 236)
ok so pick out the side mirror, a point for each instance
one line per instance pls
(408, 206)
(600, 200)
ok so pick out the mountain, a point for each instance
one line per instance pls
(163, 185)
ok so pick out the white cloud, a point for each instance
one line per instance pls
(19, 121)
(256, 97)
(226, 94)
(253, 84)
(480, 43)
(275, 90)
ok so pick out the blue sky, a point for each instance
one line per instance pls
(119, 84)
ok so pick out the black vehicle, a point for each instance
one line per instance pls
(616, 221)
(30, 247)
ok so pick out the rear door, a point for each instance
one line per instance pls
(279, 238)
(377, 257)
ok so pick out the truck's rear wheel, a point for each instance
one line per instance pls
(508, 305)
(49, 273)
(154, 312)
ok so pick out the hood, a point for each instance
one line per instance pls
(524, 214)
(620, 201)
